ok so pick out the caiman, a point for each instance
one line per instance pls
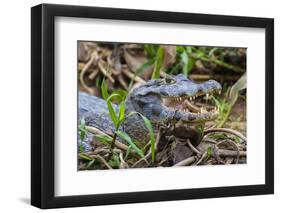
(169, 102)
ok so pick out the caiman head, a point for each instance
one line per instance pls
(174, 99)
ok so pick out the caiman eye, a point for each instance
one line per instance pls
(169, 81)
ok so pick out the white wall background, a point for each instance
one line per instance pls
(15, 105)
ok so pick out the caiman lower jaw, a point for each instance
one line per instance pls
(190, 109)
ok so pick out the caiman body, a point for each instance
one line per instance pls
(165, 102)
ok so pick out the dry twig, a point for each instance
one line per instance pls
(233, 145)
(133, 76)
(85, 68)
(229, 131)
(201, 159)
(185, 162)
(193, 148)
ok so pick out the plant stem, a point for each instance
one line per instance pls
(113, 140)
(225, 118)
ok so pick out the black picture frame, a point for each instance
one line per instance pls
(43, 102)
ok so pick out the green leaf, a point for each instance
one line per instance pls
(128, 152)
(190, 49)
(236, 88)
(218, 136)
(121, 112)
(82, 133)
(114, 162)
(180, 49)
(209, 152)
(200, 54)
(90, 163)
(85, 157)
(81, 148)
(112, 113)
(188, 63)
(237, 139)
(151, 50)
(104, 90)
(152, 137)
(111, 110)
(200, 128)
(212, 51)
(144, 66)
(158, 63)
(104, 139)
(126, 137)
(98, 81)
(122, 94)
(184, 57)
(175, 68)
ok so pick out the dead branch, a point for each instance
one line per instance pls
(101, 159)
(134, 77)
(193, 148)
(233, 144)
(85, 68)
(123, 164)
(93, 74)
(202, 158)
(105, 72)
(185, 162)
(231, 153)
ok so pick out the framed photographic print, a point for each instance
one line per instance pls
(140, 106)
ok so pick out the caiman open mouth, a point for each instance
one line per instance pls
(198, 105)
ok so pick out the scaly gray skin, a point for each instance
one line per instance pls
(163, 101)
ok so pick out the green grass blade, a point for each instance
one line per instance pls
(85, 157)
(114, 162)
(112, 113)
(126, 137)
(188, 63)
(128, 152)
(151, 135)
(90, 164)
(122, 95)
(111, 110)
(158, 63)
(144, 66)
(104, 90)
(151, 50)
(104, 139)
(121, 112)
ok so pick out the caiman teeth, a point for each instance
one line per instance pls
(193, 97)
(203, 110)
